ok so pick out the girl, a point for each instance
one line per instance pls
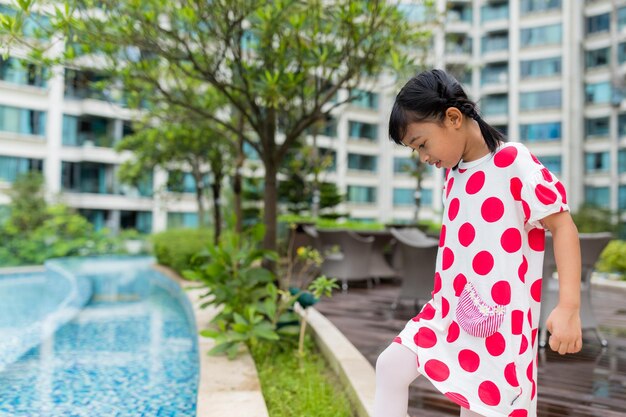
(476, 339)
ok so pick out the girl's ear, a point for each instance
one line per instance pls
(454, 117)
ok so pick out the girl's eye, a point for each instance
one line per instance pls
(421, 146)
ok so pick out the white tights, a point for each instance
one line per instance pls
(396, 368)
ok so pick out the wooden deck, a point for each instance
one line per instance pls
(591, 383)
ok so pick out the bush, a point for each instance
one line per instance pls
(613, 258)
(177, 248)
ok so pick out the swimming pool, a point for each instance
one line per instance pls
(100, 337)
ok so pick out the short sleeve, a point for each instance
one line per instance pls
(542, 194)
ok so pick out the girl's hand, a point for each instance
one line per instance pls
(565, 330)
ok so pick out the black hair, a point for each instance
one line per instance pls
(426, 97)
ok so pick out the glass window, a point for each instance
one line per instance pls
(457, 43)
(495, 11)
(542, 35)
(621, 161)
(621, 125)
(403, 165)
(416, 13)
(597, 24)
(361, 194)
(597, 162)
(426, 197)
(459, 13)
(88, 131)
(534, 132)
(495, 105)
(98, 218)
(403, 196)
(330, 154)
(88, 177)
(535, 100)
(495, 41)
(552, 162)
(365, 99)
(360, 130)
(621, 52)
(621, 18)
(597, 57)
(504, 129)
(362, 162)
(545, 67)
(22, 121)
(531, 6)
(12, 167)
(598, 93)
(141, 221)
(495, 73)
(18, 71)
(598, 196)
(621, 197)
(597, 127)
(178, 220)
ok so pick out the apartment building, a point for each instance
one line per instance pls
(548, 73)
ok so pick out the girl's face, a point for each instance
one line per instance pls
(438, 144)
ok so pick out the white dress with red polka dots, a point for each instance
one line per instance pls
(476, 339)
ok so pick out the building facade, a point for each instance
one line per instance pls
(548, 73)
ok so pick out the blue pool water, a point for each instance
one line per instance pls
(96, 337)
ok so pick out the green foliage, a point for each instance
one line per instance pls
(613, 258)
(592, 219)
(177, 248)
(28, 207)
(299, 385)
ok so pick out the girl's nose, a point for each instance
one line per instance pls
(423, 157)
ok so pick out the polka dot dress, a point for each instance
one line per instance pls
(476, 339)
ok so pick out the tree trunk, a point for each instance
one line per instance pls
(270, 204)
(217, 211)
(237, 180)
(199, 200)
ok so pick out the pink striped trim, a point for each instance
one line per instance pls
(476, 317)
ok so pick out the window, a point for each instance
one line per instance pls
(88, 177)
(546, 67)
(329, 156)
(597, 57)
(365, 99)
(22, 121)
(98, 218)
(178, 220)
(250, 153)
(495, 73)
(403, 196)
(536, 100)
(621, 18)
(361, 194)
(621, 161)
(532, 6)
(621, 197)
(504, 129)
(403, 165)
(141, 221)
(459, 13)
(183, 182)
(597, 196)
(596, 162)
(496, 11)
(621, 52)
(598, 93)
(495, 41)
(457, 43)
(534, 132)
(88, 131)
(621, 125)
(552, 162)
(597, 24)
(416, 13)
(495, 105)
(427, 197)
(362, 162)
(12, 167)
(18, 71)
(360, 130)
(542, 35)
(597, 127)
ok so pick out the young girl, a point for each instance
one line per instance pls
(476, 339)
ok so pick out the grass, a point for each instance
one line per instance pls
(302, 387)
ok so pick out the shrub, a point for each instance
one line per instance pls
(177, 248)
(613, 258)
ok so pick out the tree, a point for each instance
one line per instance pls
(281, 60)
(28, 205)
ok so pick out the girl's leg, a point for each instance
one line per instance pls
(467, 413)
(396, 368)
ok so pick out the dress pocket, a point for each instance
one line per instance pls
(475, 316)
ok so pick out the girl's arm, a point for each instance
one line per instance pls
(564, 321)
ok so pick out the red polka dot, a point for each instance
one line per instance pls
(559, 187)
(437, 286)
(425, 338)
(458, 398)
(453, 208)
(511, 240)
(482, 263)
(529, 315)
(534, 336)
(397, 340)
(517, 321)
(529, 371)
(544, 194)
(469, 360)
(461, 170)
(516, 188)
(436, 370)
(535, 290)
(442, 236)
(449, 186)
(445, 307)
(523, 345)
(475, 182)
(535, 159)
(546, 174)
(533, 391)
(495, 344)
(505, 157)
(459, 284)
(453, 332)
(526, 208)
(537, 239)
(520, 412)
(427, 313)
(492, 209)
(447, 258)
(523, 268)
(466, 234)
(489, 393)
(501, 293)
(510, 374)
